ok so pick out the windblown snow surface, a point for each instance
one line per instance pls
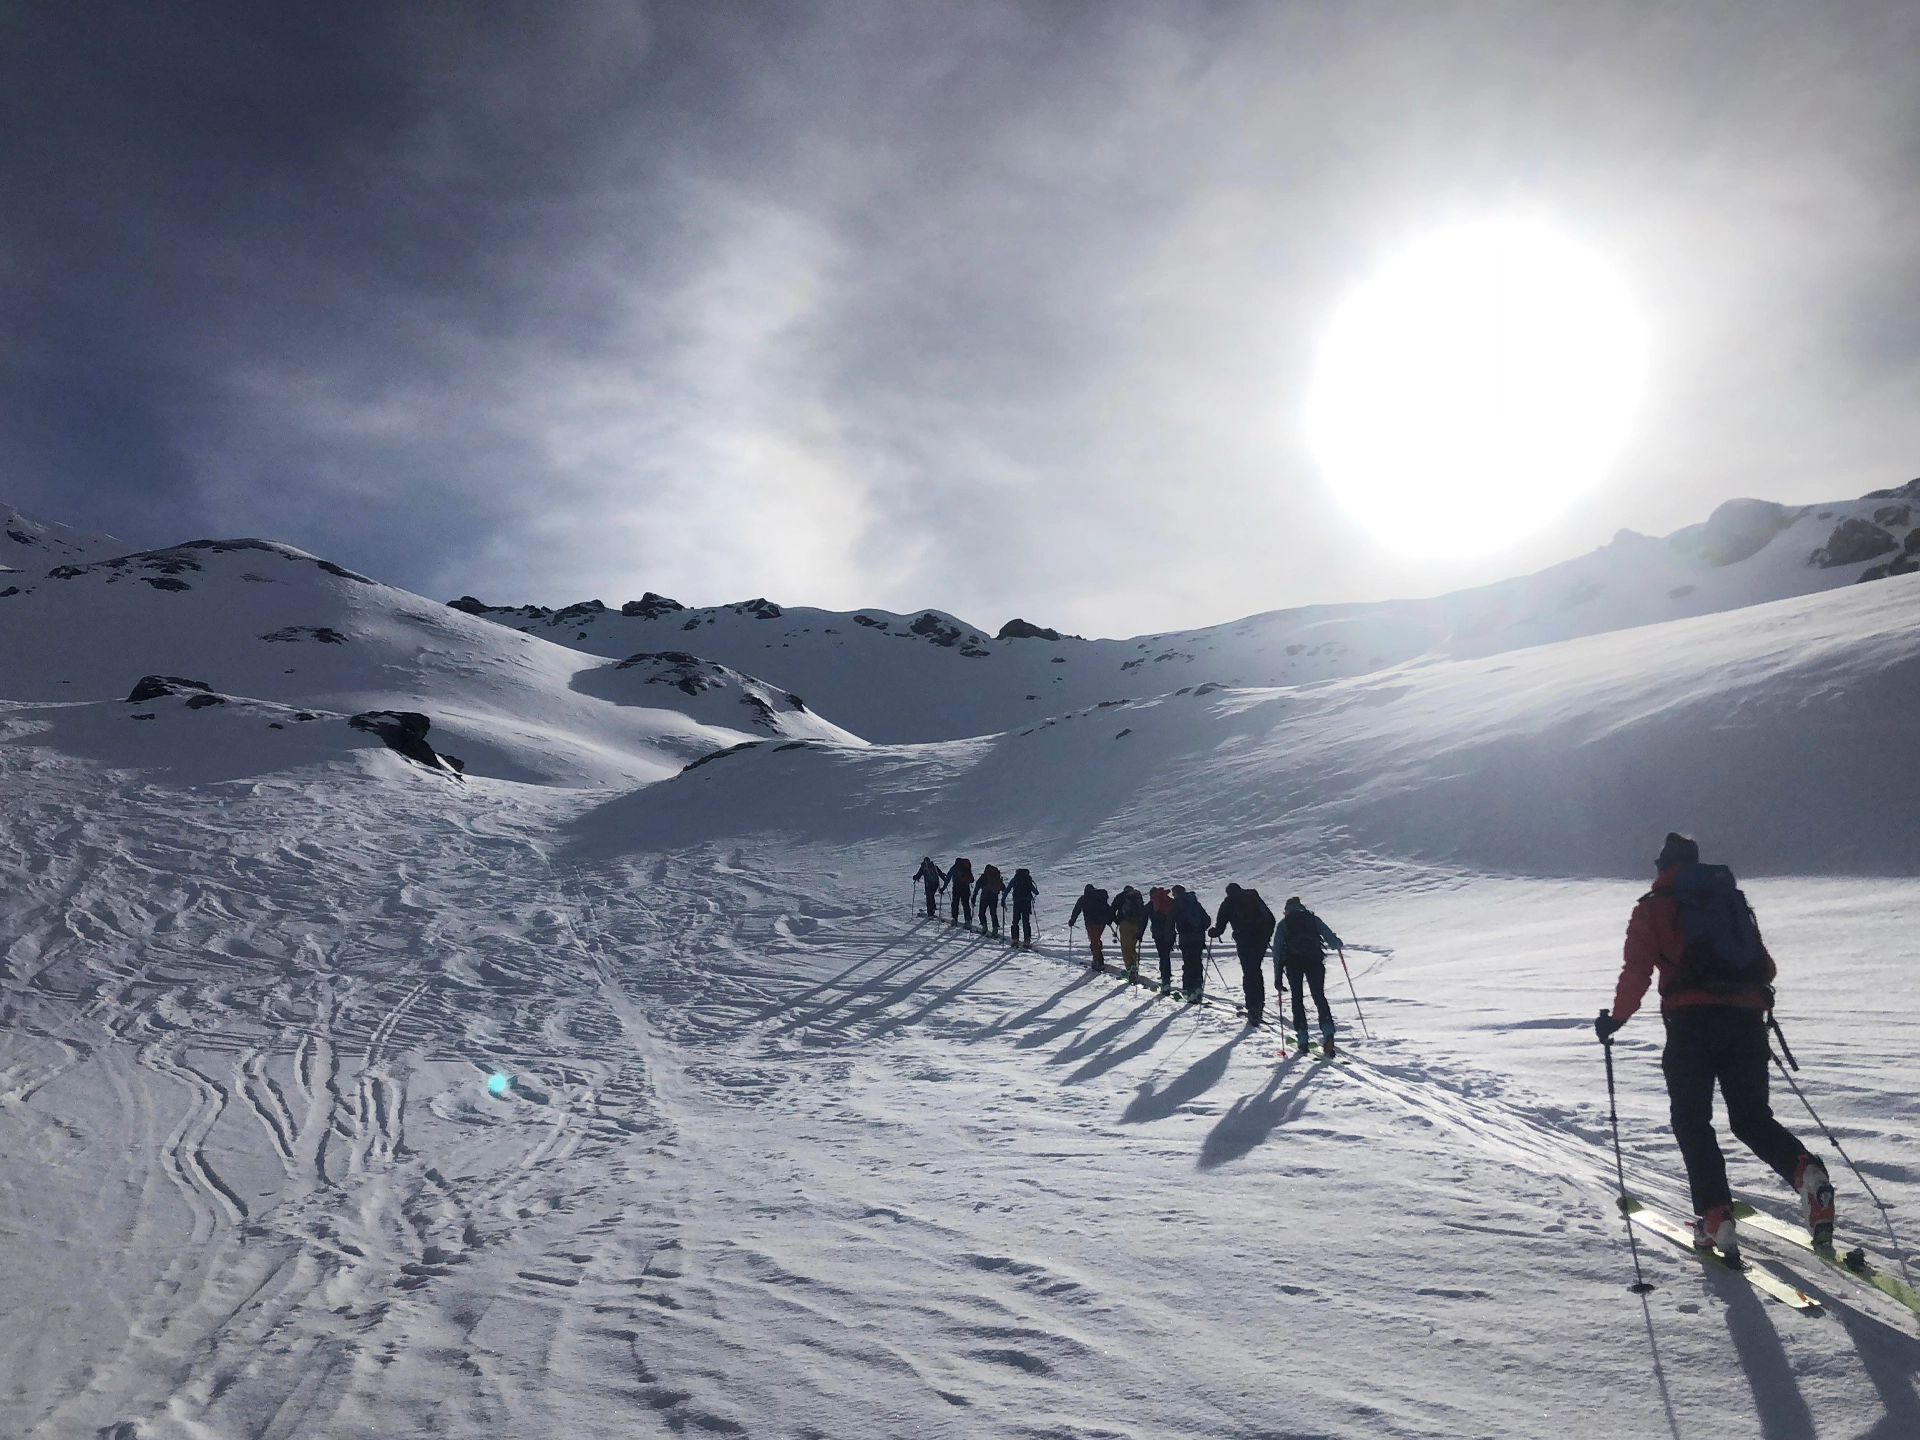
(774, 1155)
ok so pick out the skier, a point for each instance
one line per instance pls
(1190, 928)
(1092, 904)
(1160, 921)
(1022, 889)
(1300, 957)
(931, 878)
(1130, 918)
(1252, 924)
(987, 890)
(960, 877)
(1716, 986)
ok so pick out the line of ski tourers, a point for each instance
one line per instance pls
(1173, 917)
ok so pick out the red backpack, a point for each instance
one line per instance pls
(1161, 899)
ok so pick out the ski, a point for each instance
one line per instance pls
(1854, 1263)
(1638, 1212)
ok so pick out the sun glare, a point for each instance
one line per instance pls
(1476, 387)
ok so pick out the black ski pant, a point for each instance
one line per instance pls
(1301, 974)
(1022, 922)
(989, 911)
(1727, 1043)
(962, 901)
(1252, 961)
(1193, 959)
(1163, 942)
(932, 888)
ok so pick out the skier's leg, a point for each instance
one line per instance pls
(1254, 984)
(1743, 1085)
(1687, 1062)
(1164, 944)
(1296, 976)
(933, 894)
(1130, 946)
(1193, 975)
(1317, 979)
(1099, 961)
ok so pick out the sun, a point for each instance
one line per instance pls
(1476, 387)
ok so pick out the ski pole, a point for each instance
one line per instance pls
(1356, 994)
(1640, 1285)
(1879, 1204)
(1216, 968)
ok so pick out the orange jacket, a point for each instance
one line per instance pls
(1654, 943)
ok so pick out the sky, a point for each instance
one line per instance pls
(996, 308)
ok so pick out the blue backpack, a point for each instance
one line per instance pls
(1723, 950)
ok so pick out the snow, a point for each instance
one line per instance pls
(929, 675)
(780, 1157)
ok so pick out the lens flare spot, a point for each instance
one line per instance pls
(498, 1084)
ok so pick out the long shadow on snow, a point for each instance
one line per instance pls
(1890, 1358)
(1254, 1117)
(958, 987)
(875, 996)
(1031, 1013)
(1107, 1055)
(1066, 1022)
(1195, 1081)
(1781, 1408)
(866, 986)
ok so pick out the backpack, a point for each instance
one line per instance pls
(1129, 906)
(1261, 916)
(1098, 911)
(1023, 886)
(1303, 935)
(1189, 914)
(1722, 946)
(963, 870)
(1161, 900)
(990, 880)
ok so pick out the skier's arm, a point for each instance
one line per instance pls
(1326, 934)
(1076, 910)
(1636, 968)
(1220, 920)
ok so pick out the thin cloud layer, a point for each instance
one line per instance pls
(999, 308)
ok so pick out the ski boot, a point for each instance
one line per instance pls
(1326, 1041)
(1816, 1196)
(1714, 1230)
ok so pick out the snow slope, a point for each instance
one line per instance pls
(36, 546)
(931, 676)
(775, 1156)
(274, 625)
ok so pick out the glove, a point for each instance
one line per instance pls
(1604, 1025)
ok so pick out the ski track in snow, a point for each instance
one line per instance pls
(780, 1158)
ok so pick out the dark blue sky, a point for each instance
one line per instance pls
(1000, 308)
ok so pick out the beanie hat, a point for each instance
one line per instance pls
(1679, 850)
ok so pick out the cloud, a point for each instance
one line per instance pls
(998, 307)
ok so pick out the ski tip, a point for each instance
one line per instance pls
(1628, 1205)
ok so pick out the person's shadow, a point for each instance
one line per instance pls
(1254, 1117)
(1781, 1408)
(1198, 1078)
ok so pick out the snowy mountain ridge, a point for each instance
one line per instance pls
(949, 679)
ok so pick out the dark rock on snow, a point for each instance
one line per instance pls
(1851, 542)
(406, 732)
(1018, 629)
(153, 687)
(651, 606)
